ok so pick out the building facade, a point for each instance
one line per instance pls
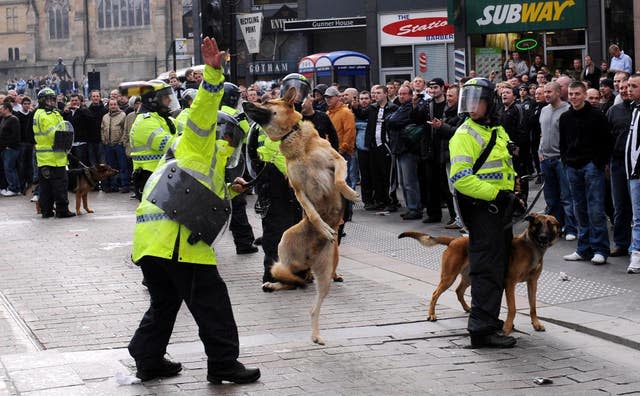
(119, 40)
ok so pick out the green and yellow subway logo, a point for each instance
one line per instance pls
(534, 12)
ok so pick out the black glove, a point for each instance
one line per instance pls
(510, 205)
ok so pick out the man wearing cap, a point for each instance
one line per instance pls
(345, 124)
(319, 104)
(608, 97)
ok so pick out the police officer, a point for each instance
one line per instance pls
(183, 208)
(240, 228)
(483, 176)
(188, 96)
(153, 130)
(51, 158)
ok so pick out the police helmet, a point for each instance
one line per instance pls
(473, 91)
(189, 94)
(45, 94)
(152, 95)
(231, 95)
(299, 82)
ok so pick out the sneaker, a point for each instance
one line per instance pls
(570, 237)
(4, 190)
(598, 259)
(634, 263)
(633, 270)
(8, 193)
(413, 215)
(573, 257)
(34, 198)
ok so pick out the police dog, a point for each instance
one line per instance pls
(525, 265)
(317, 174)
(85, 180)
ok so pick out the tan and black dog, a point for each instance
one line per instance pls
(525, 265)
(317, 174)
(86, 179)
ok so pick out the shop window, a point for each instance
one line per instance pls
(16, 54)
(113, 14)
(397, 56)
(58, 12)
(10, 54)
(565, 37)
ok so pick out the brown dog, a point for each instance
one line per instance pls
(317, 175)
(525, 265)
(86, 180)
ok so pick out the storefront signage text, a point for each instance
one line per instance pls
(514, 16)
(263, 68)
(415, 28)
(320, 24)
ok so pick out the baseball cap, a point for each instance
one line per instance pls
(437, 81)
(332, 91)
(320, 88)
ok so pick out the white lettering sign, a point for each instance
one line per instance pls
(251, 28)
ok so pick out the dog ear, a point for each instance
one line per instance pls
(290, 96)
(529, 218)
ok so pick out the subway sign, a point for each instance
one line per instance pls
(487, 16)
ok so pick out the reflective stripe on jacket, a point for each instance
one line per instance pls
(496, 173)
(150, 138)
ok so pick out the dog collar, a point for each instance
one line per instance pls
(295, 128)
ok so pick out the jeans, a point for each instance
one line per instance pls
(352, 169)
(408, 177)
(10, 164)
(588, 190)
(557, 194)
(116, 158)
(621, 204)
(634, 188)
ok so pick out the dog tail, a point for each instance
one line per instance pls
(426, 239)
(284, 275)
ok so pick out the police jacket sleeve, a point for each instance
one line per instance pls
(199, 136)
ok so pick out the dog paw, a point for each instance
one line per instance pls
(352, 196)
(317, 339)
(537, 326)
(338, 278)
(431, 318)
(90, 211)
(328, 233)
(507, 328)
(267, 287)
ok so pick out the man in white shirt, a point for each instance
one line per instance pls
(619, 60)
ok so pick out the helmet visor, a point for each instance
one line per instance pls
(469, 99)
(302, 89)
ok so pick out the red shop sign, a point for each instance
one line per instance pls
(419, 27)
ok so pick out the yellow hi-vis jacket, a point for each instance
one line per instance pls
(150, 137)
(44, 131)
(155, 233)
(496, 173)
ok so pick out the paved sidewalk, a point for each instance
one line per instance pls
(71, 299)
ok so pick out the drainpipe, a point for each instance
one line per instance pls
(87, 43)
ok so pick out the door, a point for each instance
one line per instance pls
(387, 75)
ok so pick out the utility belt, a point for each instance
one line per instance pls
(467, 202)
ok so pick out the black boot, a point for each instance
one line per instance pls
(157, 368)
(232, 372)
(494, 340)
(64, 214)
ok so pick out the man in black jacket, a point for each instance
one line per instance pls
(26, 160)
(407, 156)
(377, 140)
(585, 149)
(619, 117)
(512, 119)
(9, 149)
(78, 115)
(97, 110)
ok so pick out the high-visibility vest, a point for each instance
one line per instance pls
(45, 124)
(497, 173)
(155, 233)
(150, 138)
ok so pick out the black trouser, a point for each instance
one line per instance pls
(53, 189)
(489, 250)
(380, 158)
(239, 225)
(284, 211)
(366, 183)
(140, 177)
(206, 296)
(434, 189)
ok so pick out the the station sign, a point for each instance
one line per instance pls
(415, 28)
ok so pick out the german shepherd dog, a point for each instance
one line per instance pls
(317, 174)
(85, 179)
(525, 265)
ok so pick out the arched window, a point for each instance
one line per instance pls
(113, 14)
(58, 11)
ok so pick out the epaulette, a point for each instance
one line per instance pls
(146, 115)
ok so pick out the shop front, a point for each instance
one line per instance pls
(558, 31)
(416, 44)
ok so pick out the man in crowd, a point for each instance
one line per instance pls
(517, 65)
(512, 119)
(585, 148)
(619, 60)
(345, 124)
(97, 110)
(25, 162)
(377, 140)
(576, 70)
(619, 117)
(593, 97)
(362, 151)
(113, 141)
(10, 149)
(632, 165)
(557, 193)
(591, 73)
(607, 94)
(393, 93)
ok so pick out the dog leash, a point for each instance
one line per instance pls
(528, 178)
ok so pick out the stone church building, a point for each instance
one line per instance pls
(123, 40)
